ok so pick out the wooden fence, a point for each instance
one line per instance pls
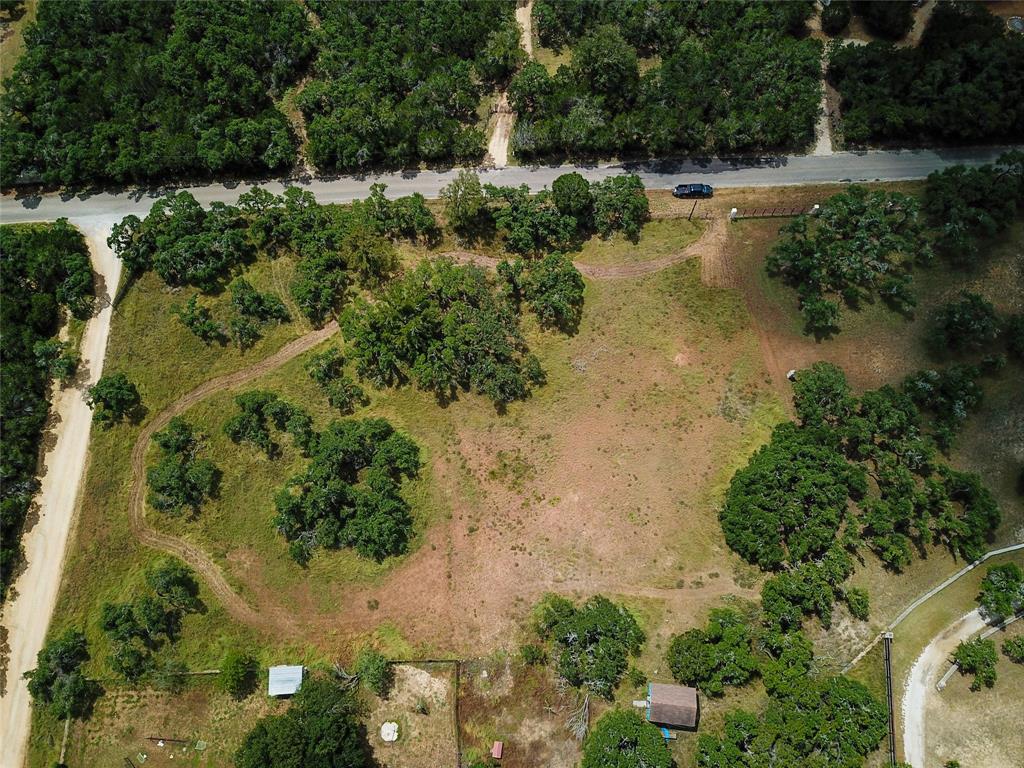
(768, 213)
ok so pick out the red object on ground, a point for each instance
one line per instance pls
(496, 750)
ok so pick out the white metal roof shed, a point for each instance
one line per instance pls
(284, 680)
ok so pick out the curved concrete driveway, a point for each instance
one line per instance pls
(925, 673)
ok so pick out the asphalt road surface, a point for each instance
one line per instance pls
(874, 165)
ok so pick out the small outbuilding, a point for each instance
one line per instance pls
(674, 706)
(284, 680)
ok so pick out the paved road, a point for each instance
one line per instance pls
(875, 165)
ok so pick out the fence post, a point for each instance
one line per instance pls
(732, 214)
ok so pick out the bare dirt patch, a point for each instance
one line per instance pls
(421, 702)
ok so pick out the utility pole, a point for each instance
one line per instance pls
(692, 209)
(887, 637)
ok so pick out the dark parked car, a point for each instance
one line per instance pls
(693, 190)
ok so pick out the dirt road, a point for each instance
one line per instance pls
(920, 684)
(275, 620)
(26, 615)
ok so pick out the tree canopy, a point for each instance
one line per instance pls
(963, 83)
(321, 729)
(180, 481)
(802, 504)
(729, 77)
(1002, 591)
(350, 494)
(446, 328)
(113, 398)
(623, 739)
(118, 92)
(46, 273)
(713, 658)
(396, 84)
(58, 682)
(978, 658)
(861, 246)
(594, 640)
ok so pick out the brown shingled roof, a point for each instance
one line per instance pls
(672, 705)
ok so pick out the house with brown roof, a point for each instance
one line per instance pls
(673, 706)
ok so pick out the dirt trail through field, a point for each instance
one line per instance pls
(272, 618)
(26, 615)
(709, 246)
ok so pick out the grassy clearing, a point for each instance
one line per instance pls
(659, 238)
(12, 34)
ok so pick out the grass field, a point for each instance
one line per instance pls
(606, 480)
(12, 37)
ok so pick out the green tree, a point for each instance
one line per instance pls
(594, 641)
(891, 19)
(350, 494)
(572, 196)
(237, 676)
(465, 205)
(977, 657)
(713, 658)
(620, 205)
(180, 480)
(1002, 591)
(623, 739)
(444, 327)
(835, 17)
(321, 729)
(199, 320)
(112, 399)
(861, 245)
(858, 603)
(175, 583)
(1013, 649)
(969, 323)
(58, 682)
(327, 369)
(553, 289)
(374, 671)
(607, 65)
(789, 504)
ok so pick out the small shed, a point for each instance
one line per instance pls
(672, 705)
(284, 680)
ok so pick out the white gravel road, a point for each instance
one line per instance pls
(929, 667)
(26, 615)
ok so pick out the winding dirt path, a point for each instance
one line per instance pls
(272, 618)
(709, 246)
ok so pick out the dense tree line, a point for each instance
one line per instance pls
(321, 729)
(963, 83)
(802, 505)
(138, 629)
(446, 328)
(399, 83)
(114, 91)
(350, 494)
(593, 641)
(46, 272)
(861, 246)
(732, 76)
(336, 248)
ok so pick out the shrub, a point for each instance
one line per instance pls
(835, 17)
(533, 655)
(858, 602)
(1002, 591)
(1014, 649)
(237, 674)
(375, 672)
(977, 657)
(180, 480)
(327, 369)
